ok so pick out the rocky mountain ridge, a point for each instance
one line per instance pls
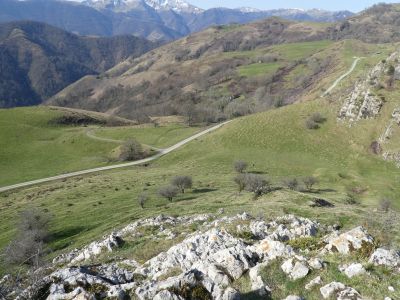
(159, 20)
(207, 263)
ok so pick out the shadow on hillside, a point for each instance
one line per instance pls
(258, 172)
(66, 233)
(319, 191)
(205, 190)
(254, 296)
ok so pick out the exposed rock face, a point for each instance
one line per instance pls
(285, 228)
(349, 241)
(209, 261)
(362, 103)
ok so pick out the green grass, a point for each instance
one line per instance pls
(31, 148)
(160, 137)
(295, 51)
(258, 69)
(276, 144)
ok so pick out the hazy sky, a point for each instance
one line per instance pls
(353, 5)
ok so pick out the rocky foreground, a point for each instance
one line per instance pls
(208, 263)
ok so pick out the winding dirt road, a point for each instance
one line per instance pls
(353, 66)
(161, 153)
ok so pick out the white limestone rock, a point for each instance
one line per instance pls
(349, 241)
(313, 283)
(295, 269)
(355, 269)
(331, 289)
(383, 257)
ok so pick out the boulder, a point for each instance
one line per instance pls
(355, 269)
(348, 294)
(291, 297)
(331, 289)
(295, 269)
(383, 257)
(270, 249)
(316, 263)
(349, 241)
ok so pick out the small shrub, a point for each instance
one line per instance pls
(131, 150)
(309, 182)
(385, 205)
(351, 199)
(257, 185)
(182, 182)
(240, 180)
(142, 199)
(310, 124)
(29, 244)
(314, 121)
(168, 192)
(304, 243)
(240, 166)
(291, 183)
(245, 235)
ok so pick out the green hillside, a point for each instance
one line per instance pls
(33, 146)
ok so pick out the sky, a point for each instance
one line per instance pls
(352, 5)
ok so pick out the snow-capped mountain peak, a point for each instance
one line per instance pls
(175, 5)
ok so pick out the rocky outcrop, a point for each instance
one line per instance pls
(363, 103)
(208, 262)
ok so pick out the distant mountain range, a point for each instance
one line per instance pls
(157, 20)
(37, 60)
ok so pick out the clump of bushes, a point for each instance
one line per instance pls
(253, 183)
(131, 150)
(29, 245)
(315, 121)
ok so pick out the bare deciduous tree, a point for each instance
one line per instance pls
(32, 235)
(182, 183)
(240, 166)
(240, 180)
(142, 199)
(309, 182)
(168, 192)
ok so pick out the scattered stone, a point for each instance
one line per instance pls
(316, 263)
(316, 281)
(391, 289)
(331, 289)
(348, 294)
(352, 270)
(291, 297)
(383, 257)
(295, 269)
